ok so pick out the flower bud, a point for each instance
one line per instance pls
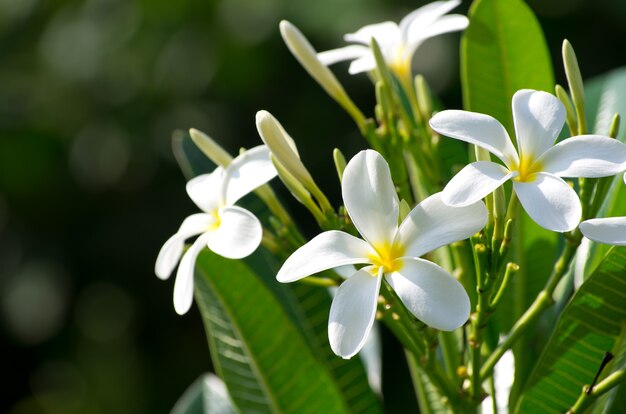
(302, 50)
(210, 148)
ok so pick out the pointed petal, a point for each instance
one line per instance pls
(446, 24)
(365, 63)
(432, 224)
(425, 16)
(325, 251)
(585, 156)
(431, 294)
(538, 117)
(478, 129)
(170, 253)
(351, 52)
(550, 202)
(352, 313)
(474, 182)
(183, 287)
(207, 190)
(386, 34)
(611, 230)
(247, 172)
(238, 234)
(370, 197)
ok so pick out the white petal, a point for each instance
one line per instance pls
(248, 171)
(611, 230)
(207, 190)
(195, 224)
(169, 255)
(446, 24)
(474, 182)
(478, 129)
(386, 34)
(550, 202)
(585, 156)
(432, 224)
(352, 313)
(365, 63)
(238, 235)
(538, 117)
(370, 197)
(325, 251)
(351, 52)
(183, 287)
(431, 294)
(426, 15)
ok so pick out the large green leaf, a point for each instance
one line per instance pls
(588, 327)
(503, 50)
(207, 395)
(257, 350)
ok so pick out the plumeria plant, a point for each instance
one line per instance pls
(479, 239)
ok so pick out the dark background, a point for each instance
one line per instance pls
(90, 92)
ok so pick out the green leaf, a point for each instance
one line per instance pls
(207, 395)
(589, 326)
(257, 350)
(503, 50)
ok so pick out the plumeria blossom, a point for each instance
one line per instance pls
(536, 166)
(397, 42)
(388, 250)
(610, 230)
(226, 229)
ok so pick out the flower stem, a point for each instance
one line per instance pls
(542, 302)
(411, 333)
(588, 397)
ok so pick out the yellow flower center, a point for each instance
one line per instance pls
(528, 168)
(215, 223)
(387, 258)
(400, 65)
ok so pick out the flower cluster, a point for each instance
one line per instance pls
(393, 242)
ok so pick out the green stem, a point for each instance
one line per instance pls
(542, 302)
(479, 320)
(588, 397)
(450, 352)
(511, 268)
(411, 334)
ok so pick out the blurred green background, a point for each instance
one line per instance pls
(90, 93)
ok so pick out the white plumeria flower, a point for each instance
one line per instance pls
(536, 165)
(226, 229)
(397, 42)
(428, 291)
(610, 230)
